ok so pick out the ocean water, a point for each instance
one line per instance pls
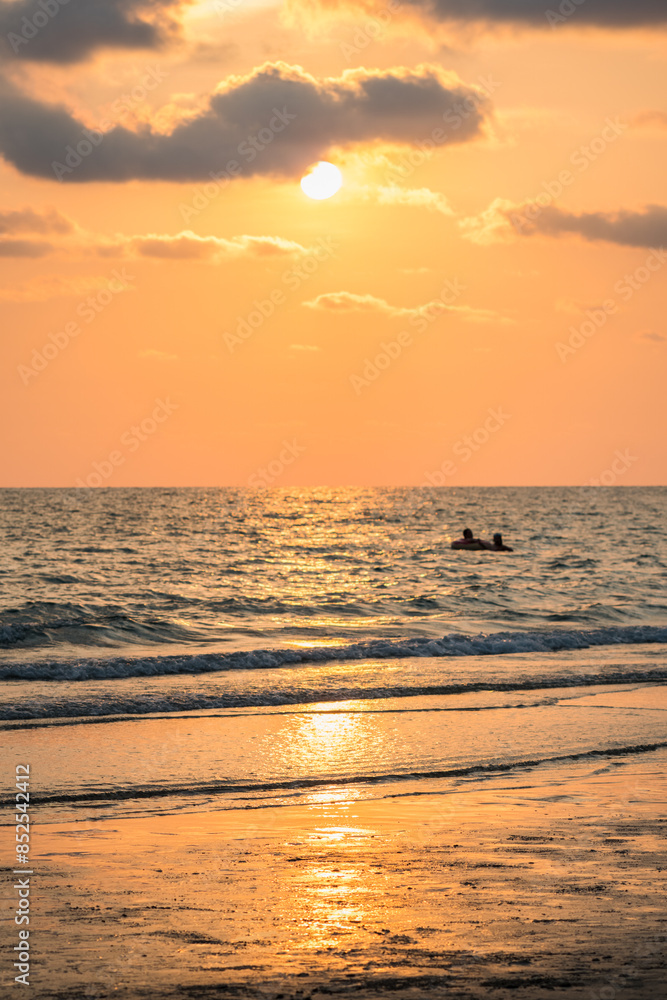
(228, 647)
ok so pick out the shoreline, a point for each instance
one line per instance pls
(549, 886)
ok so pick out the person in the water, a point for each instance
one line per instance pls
(468, 541)
(499, 545)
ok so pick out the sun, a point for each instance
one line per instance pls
(322, 181)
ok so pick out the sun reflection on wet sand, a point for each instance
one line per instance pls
(335, 895)
(332, 892)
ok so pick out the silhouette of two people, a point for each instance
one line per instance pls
(481, 544)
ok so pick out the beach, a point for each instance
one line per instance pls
(550, 882)
(546, 877)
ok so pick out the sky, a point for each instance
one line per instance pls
(481, 303)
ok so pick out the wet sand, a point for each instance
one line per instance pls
(547, 883)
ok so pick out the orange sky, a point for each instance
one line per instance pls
(424, 325)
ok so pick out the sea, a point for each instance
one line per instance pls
(196, 649)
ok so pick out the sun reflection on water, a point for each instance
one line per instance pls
(321, 743)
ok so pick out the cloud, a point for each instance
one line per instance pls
(412, 197)
(504, 221)
(25, 248)
(76, 242)
(27, 220)
(67, 31)
(344, 302)
(652, 337)
(647, 228)
(303, 347)
(529, 13)
(492, 225)
(188, 246)
(351, 302)
(275, 121)
(604, 13)
(649, 119)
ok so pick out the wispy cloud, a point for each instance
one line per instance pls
(352, 302)
(491, 225)
(70, 240)
(188, 246)
(651, 337)
(28, 220)
(649, 119)
(345, 302)
(25, 248)
(395, 195)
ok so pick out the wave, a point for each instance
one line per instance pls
(303, 784)
(159, 618)
(291, 708)
(164, 619)
(106, 708)
(452, 645)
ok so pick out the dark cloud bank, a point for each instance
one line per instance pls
(278, 120)
(67, 31)
(646, 228)
(603, 13)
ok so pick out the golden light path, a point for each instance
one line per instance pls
(322, 181)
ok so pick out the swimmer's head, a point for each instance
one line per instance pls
(467, 533)
(498, 539)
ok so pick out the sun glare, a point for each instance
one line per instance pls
(322, 181)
